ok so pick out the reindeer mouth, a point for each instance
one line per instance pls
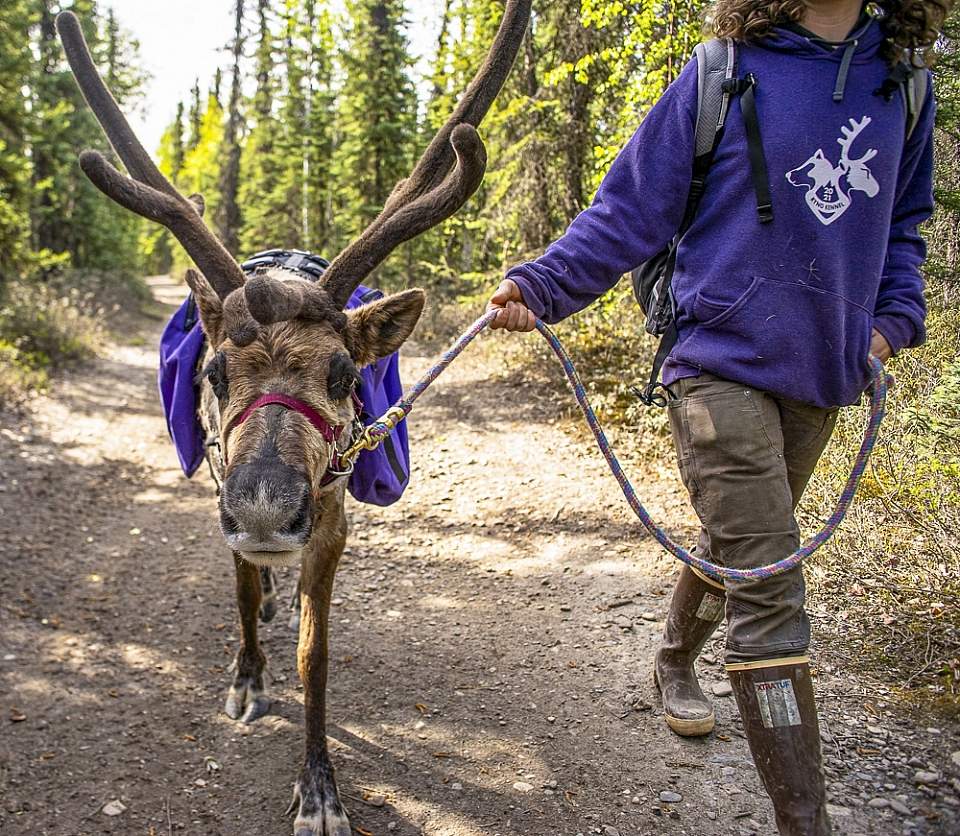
(273, 559)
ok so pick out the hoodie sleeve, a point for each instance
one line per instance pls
(635, 214)
(901, 309)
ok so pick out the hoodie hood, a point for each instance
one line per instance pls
(794, 38)
(861, 46)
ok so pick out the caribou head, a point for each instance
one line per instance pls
(276, 333)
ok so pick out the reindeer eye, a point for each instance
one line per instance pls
(343, 377)
(216, 373)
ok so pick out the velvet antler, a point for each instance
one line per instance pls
(448, 173)
(146, 191)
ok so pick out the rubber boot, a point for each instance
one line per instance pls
(695, 612)
(780, 718)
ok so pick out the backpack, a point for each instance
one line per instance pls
(717, 83)
(379, 476)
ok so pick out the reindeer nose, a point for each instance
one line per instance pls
(266, 507)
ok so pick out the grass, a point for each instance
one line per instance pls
(51, 322)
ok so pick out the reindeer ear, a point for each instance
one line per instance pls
(380, 328)
(209, 305)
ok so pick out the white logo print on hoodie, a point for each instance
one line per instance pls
(829, 186)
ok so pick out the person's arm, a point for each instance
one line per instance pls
(901, 310)
(635, 214)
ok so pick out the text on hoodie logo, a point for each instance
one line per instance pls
(829, 186)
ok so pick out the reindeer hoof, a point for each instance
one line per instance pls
(246, 703)
(319, 812)
(268, 608)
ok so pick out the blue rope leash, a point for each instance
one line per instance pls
(380, 429)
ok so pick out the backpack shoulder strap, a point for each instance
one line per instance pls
(716, 62)
(913, 90)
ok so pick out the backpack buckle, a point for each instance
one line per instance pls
(649, 396)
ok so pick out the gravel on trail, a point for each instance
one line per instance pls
(492, 642)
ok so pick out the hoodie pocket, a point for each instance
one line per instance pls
(791, 339)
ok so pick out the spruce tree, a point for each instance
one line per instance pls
(378, 114)
(228, 218)
(259, 165)
(16, 18)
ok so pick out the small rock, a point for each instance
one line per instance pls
(899, 807)
(669, 797)
(722, 689)
(550, 785)
(955, 759)
(878, 803)
(925, 777)
(610, 831)
(456, 785)
(837, 812)
(113, 808)
(376, 800)
(523, 786)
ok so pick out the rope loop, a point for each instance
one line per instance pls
(877, 391)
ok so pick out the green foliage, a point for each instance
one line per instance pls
(15, 62)
(67, 214)
(260, 163)
(377, 113)
(46, 326)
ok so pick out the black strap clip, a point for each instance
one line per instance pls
(649, 396)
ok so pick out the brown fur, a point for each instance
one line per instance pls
(278, 332)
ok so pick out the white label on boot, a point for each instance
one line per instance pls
(711, 608)
(778, 703)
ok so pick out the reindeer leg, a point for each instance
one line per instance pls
(246, 700)
(268, 604)
(319, 811)
(294, 622)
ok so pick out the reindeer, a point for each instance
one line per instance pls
(278, 390)
(857, 174)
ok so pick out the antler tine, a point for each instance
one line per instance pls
(447, 174)
(104, 106)
(146, 192)
(435, 162)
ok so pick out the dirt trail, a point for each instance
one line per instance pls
(493, 635)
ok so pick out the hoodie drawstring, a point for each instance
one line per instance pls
(844, 71)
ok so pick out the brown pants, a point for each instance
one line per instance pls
(745, 457)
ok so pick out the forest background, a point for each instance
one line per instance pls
(299, 138)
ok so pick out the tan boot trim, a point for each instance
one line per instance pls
(706, 578)
(768, 663)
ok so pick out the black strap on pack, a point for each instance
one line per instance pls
(656, 393)
(745, 87)
(310, 265)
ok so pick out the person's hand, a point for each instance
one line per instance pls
(513, 313)
(879, 347)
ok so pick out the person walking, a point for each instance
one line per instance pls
(802, 259)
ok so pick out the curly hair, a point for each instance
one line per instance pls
(910, 26)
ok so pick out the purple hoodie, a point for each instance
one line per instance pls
(786, 307)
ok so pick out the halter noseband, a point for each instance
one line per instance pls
(330, 432)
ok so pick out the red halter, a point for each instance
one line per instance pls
(329, 431)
